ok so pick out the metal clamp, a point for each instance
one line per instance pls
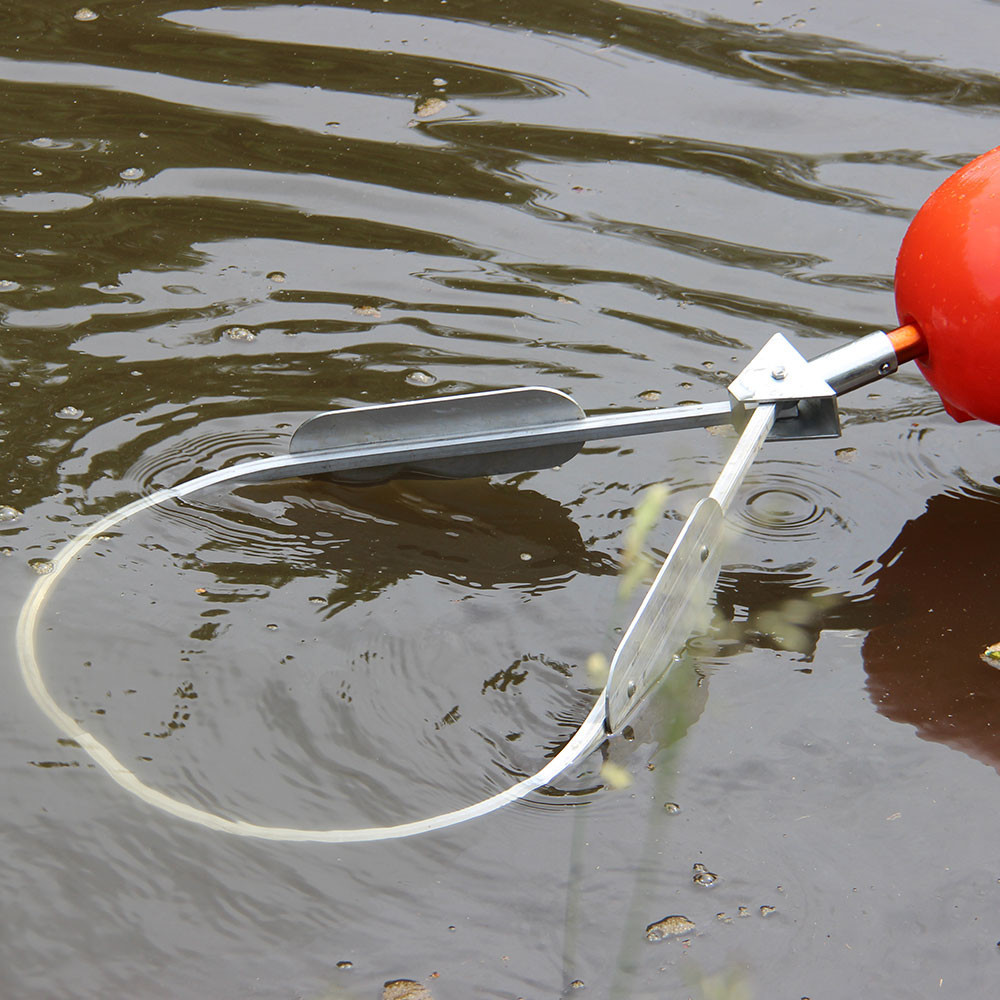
(805, 392)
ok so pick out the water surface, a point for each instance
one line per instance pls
(224, 219)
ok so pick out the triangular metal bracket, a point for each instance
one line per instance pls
(779, 374)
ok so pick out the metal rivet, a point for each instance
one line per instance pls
(630, 689)
(884, 368)
(705, 553)
(778, 373)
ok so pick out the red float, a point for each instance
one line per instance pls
(948, 288)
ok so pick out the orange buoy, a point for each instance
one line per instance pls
(948, 291)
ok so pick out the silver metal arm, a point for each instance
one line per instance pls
(678, 601)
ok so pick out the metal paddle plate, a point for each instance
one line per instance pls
(676, 607)
(447, 421)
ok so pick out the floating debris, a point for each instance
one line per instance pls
(85, 14)
(743, 911)
(8, 513)
(42, 566)
(702, 876)
(724, 918)
(766, 911)
(991, 655)
(668, 927)
(405, 989)
(671, 807)
(418, 377)
(239, 333)
(69, 413)
(846, 454)
(721, 430)
(132, 174)
(372, 311)
(429, 106)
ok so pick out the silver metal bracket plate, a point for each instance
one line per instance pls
(807, 404)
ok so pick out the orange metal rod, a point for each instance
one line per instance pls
(908, 343)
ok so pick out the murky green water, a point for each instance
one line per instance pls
(221, 220)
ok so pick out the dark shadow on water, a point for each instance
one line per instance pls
(936, 609)
(473, 532)
(932, 610)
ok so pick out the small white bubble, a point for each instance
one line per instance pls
(8, 513)
(418, 377)
(439, 81)
(239, 333)
(85, 14)
(132, 174)
(42, 566)
(6, 285)
(69, 413)
(43, 142)
(278, 276)
(702, 876)
(526, 557)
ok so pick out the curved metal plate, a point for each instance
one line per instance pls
(449, 422)
(676, 606)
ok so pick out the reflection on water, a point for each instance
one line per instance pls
(395, 200)
(936, 611)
